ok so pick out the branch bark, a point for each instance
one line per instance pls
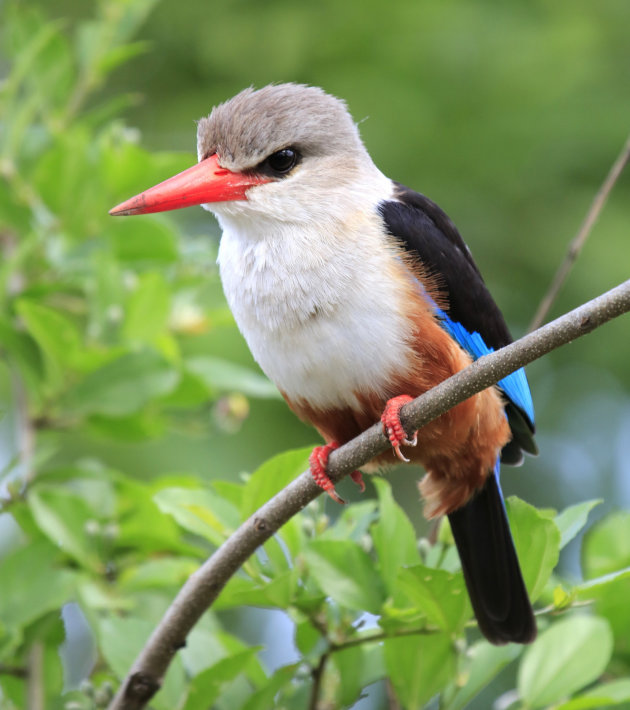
(204, 586)
(576, 244)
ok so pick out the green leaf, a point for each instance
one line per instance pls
(206, 686)
(199, 510)
(272, 476)
(481, 664)
(606, 559)
(53, 670)
(64, 516)
(40, 81)
(357, 667)
(345, 573)
(611, 593)
(393, 525)
(71, 167)
(277, 593)
(148, 309)
(120, 55)
(537, 541)
(349, 664)
(603, 695)
(227, 376)
(23, 353)
(308, 639)
(264, 698)
(606, 547)
(33, 584)
(419, 667)
(593, 588)
(121, 640)
(440, 595)
(569, 655)
(275, 558)
(154, 574)
(26, 60)
(572, 519)
(191, 392)
(136, 427)
(353, 523)
(56, 336)
(142, 525)
(123, 386)
(144, 241)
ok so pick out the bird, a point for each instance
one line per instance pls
(356, 294)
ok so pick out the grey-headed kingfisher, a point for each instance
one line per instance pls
(355, 294)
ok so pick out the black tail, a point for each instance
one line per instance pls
(491, 570)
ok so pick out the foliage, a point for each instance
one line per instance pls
(103, 328)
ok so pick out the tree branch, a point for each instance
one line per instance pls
(204, 586)
(582, 235)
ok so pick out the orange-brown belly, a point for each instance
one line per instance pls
(458, 449)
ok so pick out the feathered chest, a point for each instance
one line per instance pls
(323, 315)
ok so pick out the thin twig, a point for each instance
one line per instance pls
(382, 636)
(318, 675)
(582, 235)
(204, 585)
(335, 647)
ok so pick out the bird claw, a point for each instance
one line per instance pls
(394, 429)
(399, 453)
(357, 477)
(413, 441)
(318, 461)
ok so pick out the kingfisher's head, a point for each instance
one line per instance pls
(284, 152)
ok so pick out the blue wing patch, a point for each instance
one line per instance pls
(514, 385)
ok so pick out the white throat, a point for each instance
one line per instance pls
(316, 300)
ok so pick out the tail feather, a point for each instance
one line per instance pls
(491, 569)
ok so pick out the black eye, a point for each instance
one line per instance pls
(282, 161)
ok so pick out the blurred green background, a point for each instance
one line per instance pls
(507, 115)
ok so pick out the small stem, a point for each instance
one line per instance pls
(35, 685)
(318, 674)
(374, 638)
(392, 700)
(25, 434)
(582, 235)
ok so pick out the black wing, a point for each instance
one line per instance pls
(425, 230)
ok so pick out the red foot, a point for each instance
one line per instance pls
(318, 461)
(394, 429)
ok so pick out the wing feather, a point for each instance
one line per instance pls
(470, 314)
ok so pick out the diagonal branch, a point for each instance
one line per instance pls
(204, 586)
(576, 244)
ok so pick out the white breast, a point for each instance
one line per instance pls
(321, 309)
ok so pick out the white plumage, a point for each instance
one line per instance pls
(316, 298)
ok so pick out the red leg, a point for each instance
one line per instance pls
(318, 461)
(394, 429)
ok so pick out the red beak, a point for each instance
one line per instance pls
(205, 182)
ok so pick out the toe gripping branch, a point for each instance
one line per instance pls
(393, 427)
(318, 461)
